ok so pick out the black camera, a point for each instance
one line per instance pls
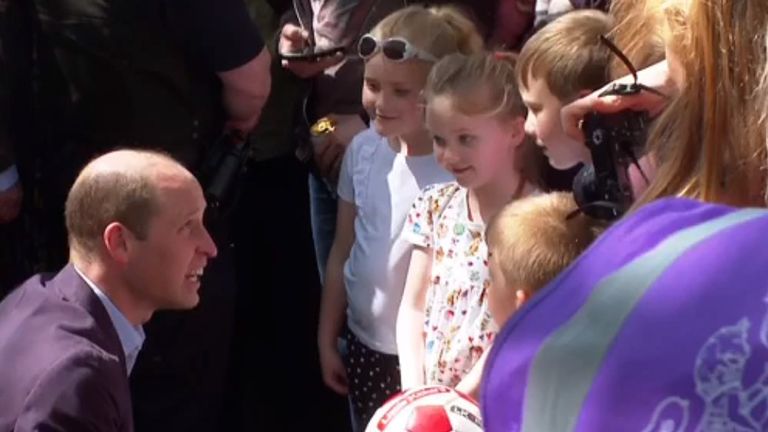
(603, 190)
(222, 165)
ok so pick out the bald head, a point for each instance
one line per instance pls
(120, 186)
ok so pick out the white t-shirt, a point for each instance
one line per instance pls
(382, 184)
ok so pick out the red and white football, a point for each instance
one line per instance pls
(427, 409)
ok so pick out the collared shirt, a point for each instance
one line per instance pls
(131, 337)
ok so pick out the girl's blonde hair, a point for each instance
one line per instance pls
(437, 30)
(481, 83)
(485, 83)
(711, 140)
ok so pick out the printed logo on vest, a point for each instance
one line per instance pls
(730, 405)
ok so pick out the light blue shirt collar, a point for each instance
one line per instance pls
(8, 178)
(131, 337)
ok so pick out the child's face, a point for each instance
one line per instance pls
(392, 95)
(502, 299)
(475, 149)
(545, 124)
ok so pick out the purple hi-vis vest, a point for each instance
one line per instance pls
(662, 325)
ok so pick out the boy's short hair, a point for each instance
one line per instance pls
(533, 239)
(568, 55)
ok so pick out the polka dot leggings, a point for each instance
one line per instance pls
(373, 378)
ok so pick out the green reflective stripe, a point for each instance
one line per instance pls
(565, 366)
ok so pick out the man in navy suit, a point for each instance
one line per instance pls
(68, 342)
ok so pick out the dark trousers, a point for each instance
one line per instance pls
(276, 374)
(373, 376)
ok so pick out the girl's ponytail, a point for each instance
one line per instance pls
(468, 40)
(437, 30)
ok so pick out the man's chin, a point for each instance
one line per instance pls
(188, 299)
(187, 303)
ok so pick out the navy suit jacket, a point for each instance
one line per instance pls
(62, 367)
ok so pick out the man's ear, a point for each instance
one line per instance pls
(117, 240)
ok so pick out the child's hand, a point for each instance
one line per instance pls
(334, 373)
(469, 386)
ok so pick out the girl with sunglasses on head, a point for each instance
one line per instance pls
(383, 171)
(476, 116)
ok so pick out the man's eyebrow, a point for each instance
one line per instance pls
(194, 212)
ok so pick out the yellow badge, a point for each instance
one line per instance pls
(323, 126)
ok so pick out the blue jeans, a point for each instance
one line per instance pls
(322, 203)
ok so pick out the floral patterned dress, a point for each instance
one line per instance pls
(458, 327)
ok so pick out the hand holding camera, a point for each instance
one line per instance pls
(616, 138)
(656, 77)
(603, 189)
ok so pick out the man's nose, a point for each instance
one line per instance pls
(207, 245)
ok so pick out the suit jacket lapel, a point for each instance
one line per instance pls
(73, 288)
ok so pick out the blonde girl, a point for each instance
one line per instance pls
(476, 117)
